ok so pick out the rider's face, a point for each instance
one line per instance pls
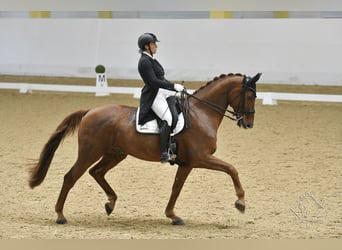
(153, 47)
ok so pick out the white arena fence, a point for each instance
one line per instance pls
(268, 98)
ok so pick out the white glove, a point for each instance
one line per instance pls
(178, 87)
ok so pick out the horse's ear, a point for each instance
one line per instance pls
(251, 81)
(255, 78)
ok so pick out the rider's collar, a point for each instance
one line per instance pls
(149, 55)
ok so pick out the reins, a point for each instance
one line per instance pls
(247, 84)
(217, 108)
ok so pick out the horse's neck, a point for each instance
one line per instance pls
(218, 94)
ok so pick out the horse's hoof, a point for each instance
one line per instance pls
(108, 208)
(178, 222)
(240, 206)
(61, 221)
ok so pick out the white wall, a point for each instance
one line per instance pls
(299, 51)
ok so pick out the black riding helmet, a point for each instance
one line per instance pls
(146, 38)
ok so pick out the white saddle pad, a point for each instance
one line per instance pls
(151, 127)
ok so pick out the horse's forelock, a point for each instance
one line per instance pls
(253, 85)
(250, 82)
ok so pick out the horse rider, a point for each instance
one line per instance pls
(152, 98)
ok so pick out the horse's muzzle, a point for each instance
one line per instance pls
(244, 124)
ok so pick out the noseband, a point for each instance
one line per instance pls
(237, 115)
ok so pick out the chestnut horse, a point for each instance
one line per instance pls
(107, 134)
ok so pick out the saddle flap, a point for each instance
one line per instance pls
(151, 127)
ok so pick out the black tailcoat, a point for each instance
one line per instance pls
(152, 73)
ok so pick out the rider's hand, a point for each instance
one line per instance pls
(178, 87)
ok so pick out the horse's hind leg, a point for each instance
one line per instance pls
(77, 170)
(98, 172)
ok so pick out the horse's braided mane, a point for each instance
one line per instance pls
(217, 78)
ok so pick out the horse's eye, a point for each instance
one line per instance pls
(250, 96)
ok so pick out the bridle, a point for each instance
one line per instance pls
(237, 115)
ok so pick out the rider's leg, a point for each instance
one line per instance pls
(160, 107)
(164, 142)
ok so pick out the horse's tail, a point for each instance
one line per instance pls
(67, 127)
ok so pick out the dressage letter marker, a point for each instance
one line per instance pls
(101, 81)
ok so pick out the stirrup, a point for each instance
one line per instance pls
(171, 150)
(168, 156)
(172, 155)
(165, 157)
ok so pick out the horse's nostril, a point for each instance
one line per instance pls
(249, 125)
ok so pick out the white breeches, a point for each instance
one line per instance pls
(161, 108)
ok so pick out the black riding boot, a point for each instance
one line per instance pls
(164, 142)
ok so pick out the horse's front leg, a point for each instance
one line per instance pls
(181, 175)
(216, 164)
